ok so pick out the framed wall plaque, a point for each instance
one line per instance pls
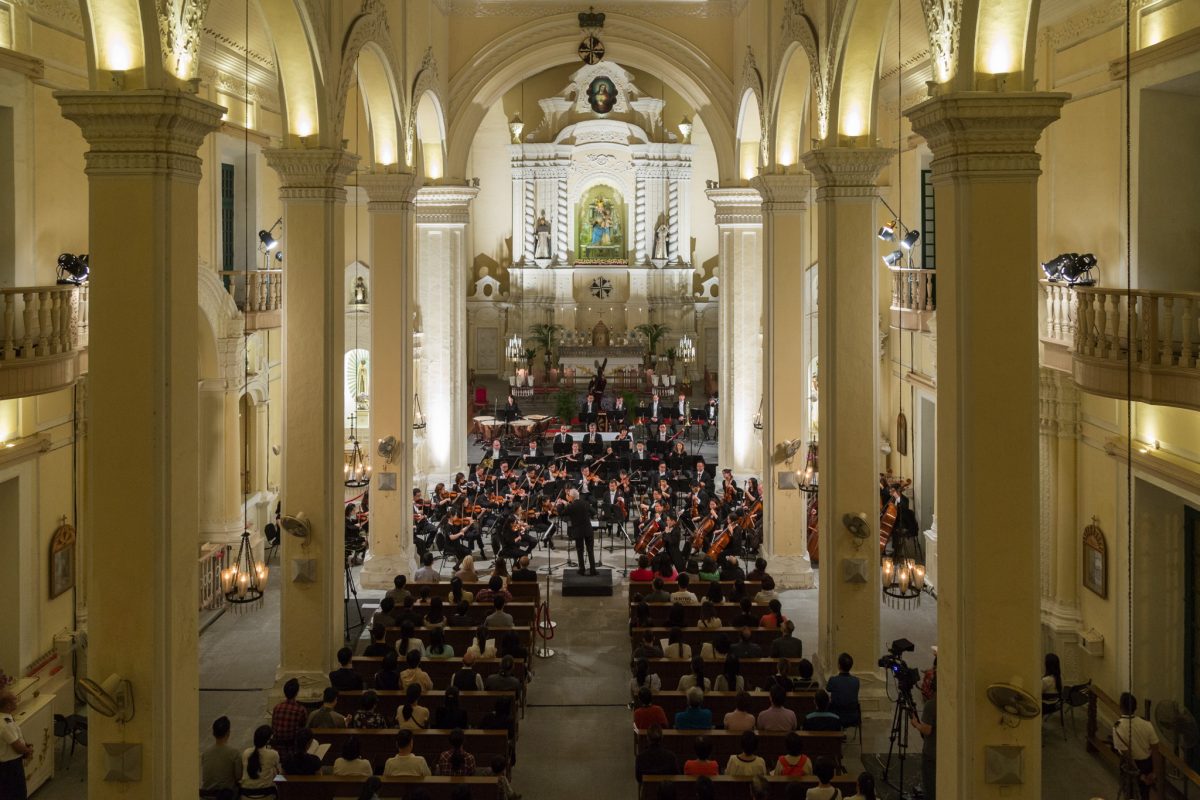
(62, 560)
(1095, 559)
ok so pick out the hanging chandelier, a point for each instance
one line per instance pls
(687, 350)
(808, 480)
(244, 579)
(419, 421)
(903, 581)
(357, 469)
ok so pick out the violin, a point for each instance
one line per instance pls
(729, 493)
(460, 521)
(646, 538)
(497, 499)
(702, 530)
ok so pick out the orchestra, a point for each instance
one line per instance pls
(639, 483)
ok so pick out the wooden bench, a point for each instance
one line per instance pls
(698, 587)
(440, 670)
(726, 787)
(721, 703)
(476, 704)
(728, 743)
(329, 787)
(462, 638)
(379, 744)
(520, 590)
(691, 614)
(522, 611)
(755, 671)
(696, 637)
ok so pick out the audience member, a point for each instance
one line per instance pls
(408, 641)
(708, 570)
(466, 570)
(378, 645)
(793, 763)
(387, 679)
(767, 593)
(843, 692)
(260, 763)
(504, 680)
(781, 677)
(695, 717)
(456, 762)
(411, 715)
(500, 718)
(481, 645)
(426, 574)
(351, 762)
(865, 787)
(745, 618)
(326, 716)
(760, 570)
(384, 615)
(648, 648)
(405, 763)
(643, 573)
(695, 678)
(367, 716)
(467, 679)
(287, 717)
(774, 617)
(461, 616)
(804, 681)
(655, 759)
(676, 647)
(450, 714)
(647, 712)
(414, 674)
(787, 645)
(824, 768)
(499, 618)
(345, 678)
(494, 589)
(220, 764)
(702, 764)
(777, 717)
(731, 570)
(500, 773)
(523, 574)
(398, 592)
(642, 676)
(741, 718)
(458, 593)
(822, 719)
(438, 649)
(300, 761)
(730, 679)
(682, 595)
(746, 764)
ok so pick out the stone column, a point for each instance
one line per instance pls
(143, 174)
(390, 213)
(785, 246)
(740, 256)
(642, 238)
(985, 172)
(219, 428)
(442, 215)
(1060, 530)
(848, 358)
(311, 575)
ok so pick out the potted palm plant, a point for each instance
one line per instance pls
(545, 335)
(654, 333)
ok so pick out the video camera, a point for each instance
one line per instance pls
(906, 677)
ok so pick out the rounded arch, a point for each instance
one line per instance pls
(998, 37)
(298, 60)
(532, 48)
(793, 97)
(856, 86)
(749, 135)
(369, 56)
(429, 133)
(121, 38)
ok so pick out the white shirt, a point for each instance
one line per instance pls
(408, 765)
(1139, 742)
(10, 734)
(268, 761)
(359, 766)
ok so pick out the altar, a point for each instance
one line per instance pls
(584, 359)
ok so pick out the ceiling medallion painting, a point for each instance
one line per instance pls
(601, 288)
(591, 50)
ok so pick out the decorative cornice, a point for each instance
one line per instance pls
(846, 171)
(444, 205)
(1184, 475)
(66, 12)
(1089, 22)
(1167, 50)
(701, 9)
(179, 30)
(316, 173)
(389, 192)
(736, 206)
(149, 131)
(943, 21)
(986, 132)
(783, 193)
(22, 64)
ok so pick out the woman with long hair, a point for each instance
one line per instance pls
(436, 616)
(865, 786)
(479, 644)
(458, 593)
(456, 761)
(1051, 683)
(370, 790)
(408, 640)
(388, 676)
(676, 647)
(642, 676)
(774, 618)
(708, 614)
(730, 679)
(450, 715)
(438, 648)
(466, 570)
(695, 678)
(260, 765)
(411, 715)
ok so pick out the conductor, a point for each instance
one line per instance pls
(579, 527)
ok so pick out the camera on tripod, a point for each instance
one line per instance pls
(906, 677)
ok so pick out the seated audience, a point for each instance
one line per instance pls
(708, 615)
(500, 718)
(481, 645)
(746, 647)
(523, 574)
(504, 680)
(367, 716)
(378, 645)
(774, 617)
(793, 763)
(408, 641)
(683, 595)
(643, 573)
(745, 618)
(438, 649)
(461, 616)
(494, 589)
(499, 618)
(467, 678)
(287, 718)
(655, 758)
(411, 715)
(804, 681)
(695, 717)
(426, 574)
(384, 615)
(456, 761)
(776, 717)
(326, 716)
(824, 769)
(405, 763)
(730, 679)
(864, 787)
(221, 765)
(435, 617)
(414, 674)
(351, 762)
(676, 647)
(767, 593)
(450, 715)
(843, 692)
(345, 678)
(458, 593)
(708, 570)
(760, 570)
(787, 645)
(741, 718)
(642, 676)
(388, 676)
(260, 763)
(746, 764)
(702, 764)
(398, 591)
(648, 713)
(648, 648)
(500, 773)
(466, 570)
(822, 719)
(695, 678)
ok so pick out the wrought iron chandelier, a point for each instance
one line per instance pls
(358, 468)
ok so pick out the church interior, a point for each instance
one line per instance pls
(386, 262)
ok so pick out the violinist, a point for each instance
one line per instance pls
(460, 483)
(729, 487)
(753, 491)
(424, 530)
(587, 481)
(511, 411)
(456, 532)
(515, 538)
(504, 476)
(614, 504)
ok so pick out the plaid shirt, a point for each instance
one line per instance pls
(287, 718)
(444, 766)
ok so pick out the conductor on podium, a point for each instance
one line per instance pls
(579, 527)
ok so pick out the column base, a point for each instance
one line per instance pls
(222, 532)
(791, 572)
(378, 571)
(312, 687)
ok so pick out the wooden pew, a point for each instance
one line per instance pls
(378, 745)
(697, 587)
(731, 788)
(476, 704)
(522, 611)
(329, 787)
(441, 670)
(721, 703)
(520, 590)
(726, 744)
(691, 614)
(756, 671)
(696, 637)
(462, 638)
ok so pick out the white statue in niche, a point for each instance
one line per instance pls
(541, 231)
(360, 291)
(660, 242)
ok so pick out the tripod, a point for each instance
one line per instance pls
(898, 738)
(352, 591)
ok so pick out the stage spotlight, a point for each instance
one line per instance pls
(888, 232)
(894, 258)
(268, 241)
(72, 269)
(909, 240)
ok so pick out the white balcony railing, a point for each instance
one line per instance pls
(44, 331)
(213, 558)
(913, 297)
(258, 294)
(1058, 326)
(1158, 336)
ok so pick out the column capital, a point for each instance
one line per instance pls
(314, 173)
(143, 132)
(783, 192)
(389, 192)
(846, 171)
(985, 132)
(740, 205)
(444, 205)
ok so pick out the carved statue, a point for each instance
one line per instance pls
(660, 242)
(541, 230)
(360, 291)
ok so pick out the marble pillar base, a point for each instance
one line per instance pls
(791, 572)
(223, 532)
(312, 687)
(378, 571)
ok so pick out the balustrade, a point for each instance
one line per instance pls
(213, 558)
(42, 321)
(1061, 309)
(258, 295)
(913, 297)
(1156, 334)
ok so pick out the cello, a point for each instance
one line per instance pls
(720, 542)
(814, 539)
(887, 520)
(702, 530)
(646, 538)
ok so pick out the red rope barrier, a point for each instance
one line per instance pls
(541, 622)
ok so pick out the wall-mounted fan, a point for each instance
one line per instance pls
(112, 698)
(297, 525)
(1014, 701)
(387, 448)
(857, 525)
(1177, 722)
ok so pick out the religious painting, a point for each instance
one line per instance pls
(602, 94)
(601, 222)
(62, 560)
(1095, 561)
